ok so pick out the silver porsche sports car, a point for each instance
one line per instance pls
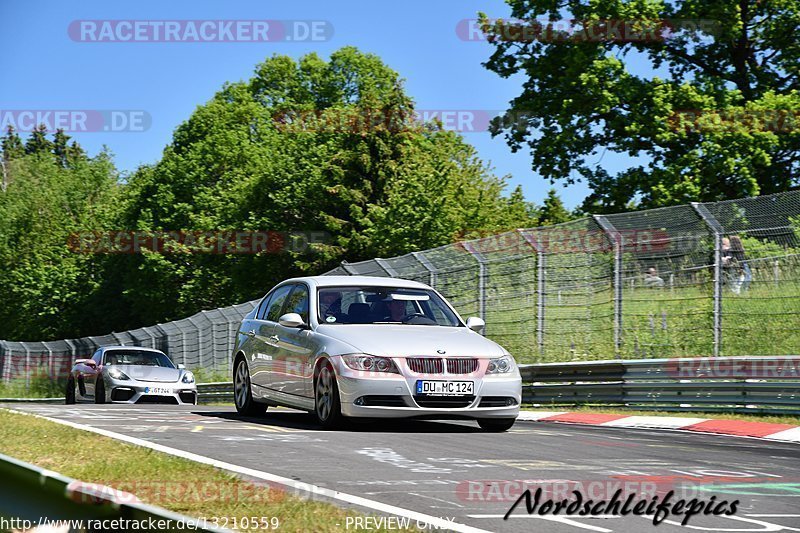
(130, 374)
(356, 346)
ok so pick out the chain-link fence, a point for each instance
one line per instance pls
(703, 279)
(202, 342)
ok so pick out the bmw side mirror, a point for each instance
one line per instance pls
(291, 320)
(181, 366)
(476, 324)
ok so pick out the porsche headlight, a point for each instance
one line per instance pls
(188, 377)
(116, 373)
(501, 365)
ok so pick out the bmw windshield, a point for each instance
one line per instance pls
(383, 305)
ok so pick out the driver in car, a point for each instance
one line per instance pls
(330, 303)
(397, 311)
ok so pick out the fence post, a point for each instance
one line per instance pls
(481, 279)
(616, 240)
(384, 264)
(4, 370)
(419, 256)
(199, 342)
(27, 365)
(541, 269)
(717, 230)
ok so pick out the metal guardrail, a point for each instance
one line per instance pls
(744, 384)
(206, 393)
(30, 493)
(221, 391)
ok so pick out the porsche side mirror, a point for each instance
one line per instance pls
(181, 366)
(476, 324)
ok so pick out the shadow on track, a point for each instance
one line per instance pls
(306, 421)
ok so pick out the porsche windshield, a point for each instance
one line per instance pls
(383, 305)
(138, 358)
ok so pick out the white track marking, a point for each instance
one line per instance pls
(422, 518)
(549, 518)
(788, 435)
(673, 422)
(538, 415)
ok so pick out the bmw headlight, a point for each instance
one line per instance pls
(116, 373)
(188, 377)
(501, 365)
(369, 363)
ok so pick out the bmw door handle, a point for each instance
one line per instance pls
(273, 338)
(251, 333)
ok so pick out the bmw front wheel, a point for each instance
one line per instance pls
(327, 405)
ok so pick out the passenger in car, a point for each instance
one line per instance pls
(330, 303)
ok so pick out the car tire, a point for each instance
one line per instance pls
(69, 397)
(242, 395)
(327, 405)
(496, 425)
(100, 390)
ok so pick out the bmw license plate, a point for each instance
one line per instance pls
(446, 388)
(157, 390)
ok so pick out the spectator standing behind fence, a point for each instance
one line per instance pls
(734, 263)
(652, 280)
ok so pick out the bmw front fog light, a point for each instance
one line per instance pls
(501, 365)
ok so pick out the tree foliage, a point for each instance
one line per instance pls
(288, 150)
(707, 103)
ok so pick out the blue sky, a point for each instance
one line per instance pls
(44, 69)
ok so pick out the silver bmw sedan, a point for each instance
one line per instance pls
(356, 346)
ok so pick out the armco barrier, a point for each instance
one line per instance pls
(206, 393)
(747, 384)
(30, 493)
(770, 384)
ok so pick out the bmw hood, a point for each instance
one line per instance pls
(408, 340)
(157, 374)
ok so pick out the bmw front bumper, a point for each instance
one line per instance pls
(393, 395)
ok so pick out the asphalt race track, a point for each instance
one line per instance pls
(454, 471)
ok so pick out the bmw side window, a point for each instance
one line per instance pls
(262, 308)
(298, 302)
(276, 302)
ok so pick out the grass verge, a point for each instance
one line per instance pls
(769, 418)
(170, 482)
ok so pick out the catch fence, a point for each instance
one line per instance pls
(694, 280)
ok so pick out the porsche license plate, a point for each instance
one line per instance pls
(446, 388)
(157, 390)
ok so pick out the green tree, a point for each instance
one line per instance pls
(50, 285)
(12, 145)
(38, 143)
(308, 145)
(583, 96)
(60, 148)
(553, 210)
